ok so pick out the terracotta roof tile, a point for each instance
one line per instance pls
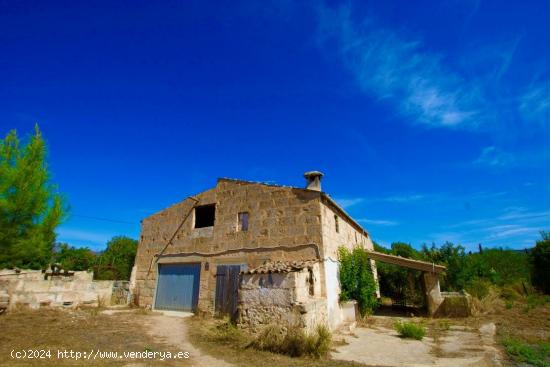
(281, 267)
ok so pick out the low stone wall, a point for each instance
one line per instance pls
(281, 298)
(455, 304)
(30, 288)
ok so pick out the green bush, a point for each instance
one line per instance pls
(117, 260)
(72, 258)
(293, 341)
(540, 258)
(356, 279)
(410, 330)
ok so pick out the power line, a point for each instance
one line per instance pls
(103, 219)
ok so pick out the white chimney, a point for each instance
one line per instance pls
(313, 179)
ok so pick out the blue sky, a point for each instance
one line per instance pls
(430, 120)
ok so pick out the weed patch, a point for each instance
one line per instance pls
(294, 341)
(410, 330)
(534, 354)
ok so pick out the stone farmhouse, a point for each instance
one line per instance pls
(261, 253)
(251, 249)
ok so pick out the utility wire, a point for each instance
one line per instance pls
(103, 219)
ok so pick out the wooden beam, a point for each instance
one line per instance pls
(406, 263)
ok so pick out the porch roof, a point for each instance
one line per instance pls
(406, 263)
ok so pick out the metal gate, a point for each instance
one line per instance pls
(227, 287)
(178, 287)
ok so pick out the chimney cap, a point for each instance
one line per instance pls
(313, 174)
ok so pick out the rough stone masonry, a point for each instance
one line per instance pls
(283, 223)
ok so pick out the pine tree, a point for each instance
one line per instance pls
(30, 208)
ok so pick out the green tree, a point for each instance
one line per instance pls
(356, 279)
(30, 208)
(72, 258)
(117, 260)
(541, 263)
(398, 282)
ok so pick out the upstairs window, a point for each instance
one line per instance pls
(243, 222)
(205, 215)
(336, 224)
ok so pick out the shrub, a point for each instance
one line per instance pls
(540, 258)
(293, 341)
(410, 330)
(319, 343)
(270, 338)
(356, 279)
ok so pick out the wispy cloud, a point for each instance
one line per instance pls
(525, 215)
(515, 226)
(378, 222)
(535, 103)
(492, 156)
(403, 198)
(393, 67)
(348, 202)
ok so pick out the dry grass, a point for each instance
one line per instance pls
(523, 323)
(206, 335)
(77, 330)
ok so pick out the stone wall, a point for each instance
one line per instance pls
(281, 298)
(346, 234)
(284, 224)
(29, 288)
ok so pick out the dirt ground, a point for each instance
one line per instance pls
(87, 331)
(456, 346)
(461, 342)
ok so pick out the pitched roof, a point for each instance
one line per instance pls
(281, 267)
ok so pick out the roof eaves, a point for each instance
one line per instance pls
(344, 213)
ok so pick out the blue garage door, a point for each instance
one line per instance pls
(178, 287)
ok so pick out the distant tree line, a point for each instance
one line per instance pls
(473, 272)
(115, 262)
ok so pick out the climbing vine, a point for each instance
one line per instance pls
(356, 279)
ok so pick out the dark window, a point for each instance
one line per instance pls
(336, 226)
(205, 216)
(311, 282)
(243, 222)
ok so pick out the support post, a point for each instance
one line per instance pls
(434, 299)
